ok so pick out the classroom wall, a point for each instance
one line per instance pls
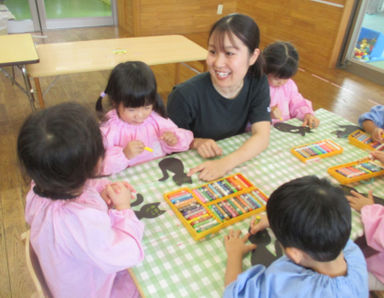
(154, 17)
(316, 29)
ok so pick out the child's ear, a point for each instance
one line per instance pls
(295, 254)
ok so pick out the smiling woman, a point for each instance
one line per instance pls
(219, 104)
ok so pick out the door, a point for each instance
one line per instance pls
(39, 15)
(364, 51)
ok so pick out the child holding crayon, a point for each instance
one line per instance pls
(281, 64)
(312, 220)
(137, 129)
(373, 123)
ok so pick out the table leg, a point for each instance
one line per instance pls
(177, 73)
(28, 87)
(39, 93)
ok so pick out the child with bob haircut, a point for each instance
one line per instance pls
(373, 123)
(137, 128)
(311, 219)
(281, 64)
(82, 229)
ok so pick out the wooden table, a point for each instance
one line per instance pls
(19, 50)
(175, 265)
(94, 55)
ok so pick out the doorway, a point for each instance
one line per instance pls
(39, 15)
(364, 51)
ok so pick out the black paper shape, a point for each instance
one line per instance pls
(345, 130)
(150, 210)
(261, 255)
(176, 166)
(285, 127)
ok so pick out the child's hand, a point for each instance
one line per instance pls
(119, 193)
(235, 245)
(379, 155)
(276, 113)
(207, 148)
(106, 198)
(133, 149)
(377, 134)
(311, 121)
(358, 201)
(169, 138)
(258, 223)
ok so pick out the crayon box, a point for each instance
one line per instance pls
(315, 151)
(364, 141)
(357, 170)
(210, 207)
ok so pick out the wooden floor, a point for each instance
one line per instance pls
(335, 90)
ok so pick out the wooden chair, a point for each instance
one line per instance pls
(33, 265)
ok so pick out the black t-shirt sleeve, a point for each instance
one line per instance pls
(260, 101)
(178, 109)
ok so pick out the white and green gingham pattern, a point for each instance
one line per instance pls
(175, 265)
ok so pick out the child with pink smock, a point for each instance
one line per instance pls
(281, 64)
(83, 231)
(137, 129)
(372, 216)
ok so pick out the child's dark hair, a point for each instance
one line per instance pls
(134, 85)
(59, 148)
(281, 60)
(244, 28)
(312, 215)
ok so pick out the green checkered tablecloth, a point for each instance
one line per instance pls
(175, 265)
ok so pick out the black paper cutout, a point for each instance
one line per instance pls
(285, 127)
(347, 191)
(176, 166)
(261, 255)
(345, 130)
(150, 210)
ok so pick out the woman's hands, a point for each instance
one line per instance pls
(211, 170)
(207, 148)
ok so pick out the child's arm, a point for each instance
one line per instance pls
(358, 201)
(301, 108)
(372, 217)
(236, 248)
(373, 121)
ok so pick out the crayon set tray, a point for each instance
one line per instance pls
(364, 141)
(357, 170)
(315, 151)
(210, 207)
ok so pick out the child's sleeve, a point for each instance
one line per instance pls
(376, 114)
(248, 284)
(184, 136)
(111, 241)
(114, 157)
(373, 221)
(298, 105)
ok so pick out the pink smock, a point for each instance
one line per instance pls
(118, 133)
(83, 247)
(289, 101)
(373, 221)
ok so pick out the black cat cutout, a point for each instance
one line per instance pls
(150, 210)
(347, 191)
(175, 166)
(345, 130)
(285, 127)
(261, 255)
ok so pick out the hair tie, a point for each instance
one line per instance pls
(102, 94)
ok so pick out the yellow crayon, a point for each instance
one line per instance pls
(148, 149)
